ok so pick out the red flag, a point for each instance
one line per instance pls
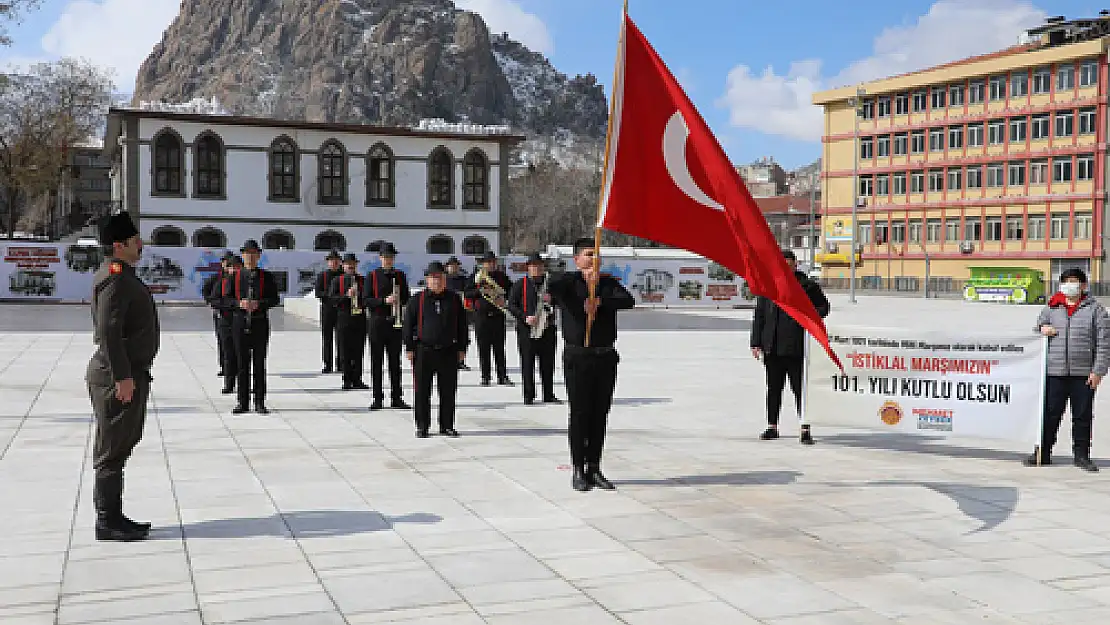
(667, 179)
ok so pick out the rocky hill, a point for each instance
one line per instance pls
(368, 61)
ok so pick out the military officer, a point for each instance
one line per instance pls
(456, 281)
(256, 292)
(435, 339)
(205, 289)
(221, 297)
(126, 333)
(389, 292)
(590, 372)
(328, 313)
(347, 294)
(525, 303)
(489, 324)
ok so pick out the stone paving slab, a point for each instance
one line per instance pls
(324, 513)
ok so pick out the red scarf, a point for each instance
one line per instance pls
(1059, 300)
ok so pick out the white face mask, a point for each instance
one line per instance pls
(1070, 289)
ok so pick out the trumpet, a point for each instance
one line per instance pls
(355, 308)
(396, 303)
(489, 289)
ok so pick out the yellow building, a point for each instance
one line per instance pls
(992, 161)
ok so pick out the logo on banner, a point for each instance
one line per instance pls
(933, 419)
(890, 413)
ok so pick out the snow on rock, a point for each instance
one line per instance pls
(441, 125)
(198, 106)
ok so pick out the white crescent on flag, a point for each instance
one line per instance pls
(674, 155)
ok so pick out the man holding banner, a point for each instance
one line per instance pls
(780, 342)
(1078, 331)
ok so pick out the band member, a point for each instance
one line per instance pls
(590, 372)
(126, 333)
(526, 304)
(457, 281)
(435, 341)
(389, 293)
(221, 298)
(489, 324)
(780, 342)
(328, 314)
(347, 295)
(205, 289)
(256, 291)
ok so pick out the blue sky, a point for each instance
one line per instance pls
(750, 66)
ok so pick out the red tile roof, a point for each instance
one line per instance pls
(780, 204)
(1018, 49)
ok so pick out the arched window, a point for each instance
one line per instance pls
(169, 160)
(475, 180)
(284, 170)
(441, 244)
(441, 175)
(277, 240)
(168, 236)
(331, 174)
(379, 176)
(208, 166)
(475, 246)
(330, 240)
(209, 237)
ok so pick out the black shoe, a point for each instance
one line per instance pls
(220, 374)
(360, 385)
(227, 390)
(485, 381)
(399, 404)
(1031, 461)
(579, 481)
(505, 382)
(347, 386)
(240, 409)
(452, 432)
(1085, 463)
(326, 370)
(528, 401)
(769, 434)
(143, 526)
(261, 408)
(598, 480)
(464, 367)
(119, 531)
(552, 400)
(807, 437)
(422, 433)
(377, 405)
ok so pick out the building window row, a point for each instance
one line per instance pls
(332, 175)
(278, 239)
(1017, 84)
(1060, 124)
(1064, 169)
(978, 229)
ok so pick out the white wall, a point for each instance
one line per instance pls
(247, 189)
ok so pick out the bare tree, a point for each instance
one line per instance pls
(12, 11)
(43, 112)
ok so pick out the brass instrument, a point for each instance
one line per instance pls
(396, 303)
(489, 289)
(543, 310)
(355, 308)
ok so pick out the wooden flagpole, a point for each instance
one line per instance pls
(604, 175)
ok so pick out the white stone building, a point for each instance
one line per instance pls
(214, 180)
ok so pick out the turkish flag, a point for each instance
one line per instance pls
(667, 179)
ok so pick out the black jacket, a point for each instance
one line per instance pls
(337, 292)
(323, 283)
(569, 292)
(481, 305)
(435, 322)
(266, 293)
(221, 296)
(209, 285)
(776, 332)
(458, 282)
(379, 285)
(524, 301)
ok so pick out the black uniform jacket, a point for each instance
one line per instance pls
(569, 291)
(481, 305)
(241, 284)
(337, 291)
(125, 325)
(379, 285)
(323, 282)
(435, 321)
(524, 300)
(776, 332)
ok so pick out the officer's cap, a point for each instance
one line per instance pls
(116, 228)
(387, 249)
(332, 255)
(350, 257)
(434, 267)
(534, 259)
(251, 246)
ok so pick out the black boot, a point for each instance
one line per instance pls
(1083, 461)
(579, 481)
(593, 473)
(110, 522)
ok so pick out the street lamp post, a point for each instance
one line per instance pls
(856, 104)
(812, 218)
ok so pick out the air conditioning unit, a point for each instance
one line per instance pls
(861, 201)
(967, 247)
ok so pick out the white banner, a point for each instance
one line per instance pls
(49, 272)
(929, 382)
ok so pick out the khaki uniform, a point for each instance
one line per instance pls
(126, 332)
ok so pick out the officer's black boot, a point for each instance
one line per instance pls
(110, 522)
(143, 525)
(579, 481)
(593, 473)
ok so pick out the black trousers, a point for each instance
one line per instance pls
(443, 365)
(352, 346)
(1073, 392)
(219, 341)
(591, 378)
(329, 333)
(228, 356)
(531, 350)
(779, 369)
(119, 428)
(251, 344)
(385, 342)
(490, 335)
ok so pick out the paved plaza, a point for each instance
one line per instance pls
(324, 513)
